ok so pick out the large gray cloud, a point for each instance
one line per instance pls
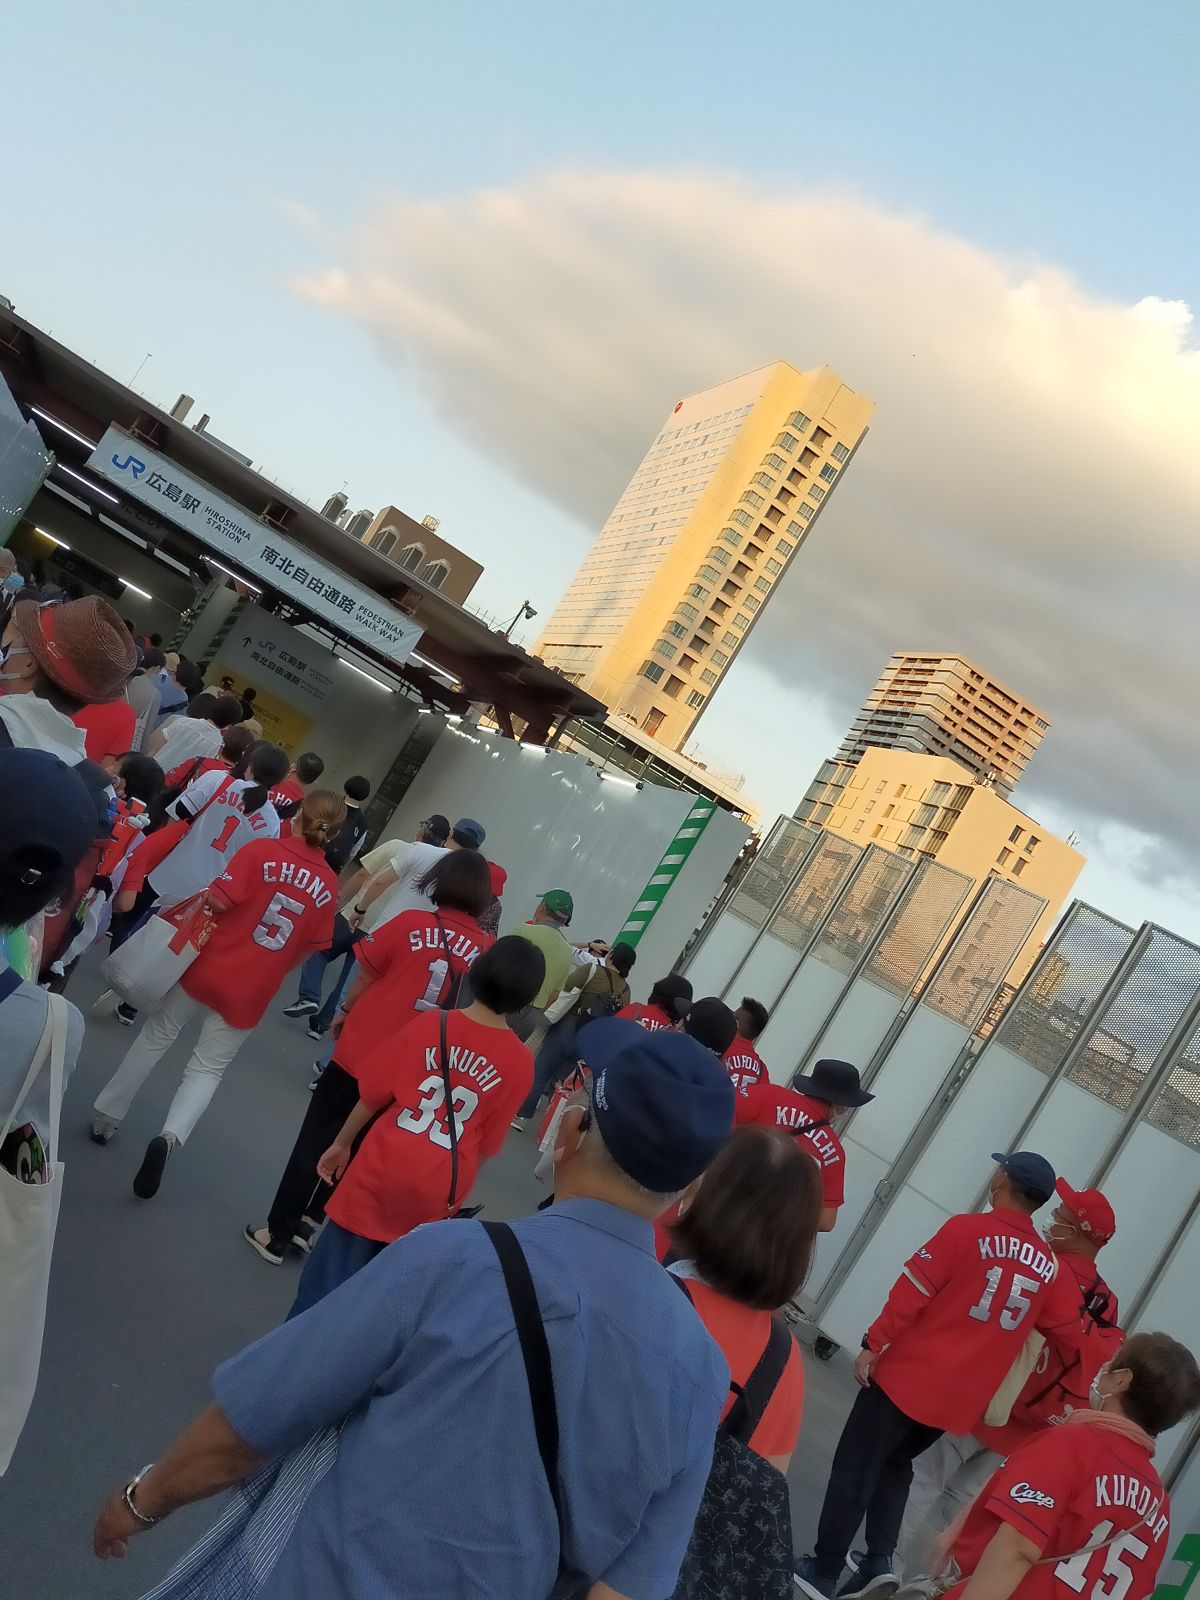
(1029, 492)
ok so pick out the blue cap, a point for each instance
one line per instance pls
(469, 833)
(1031, 1174)
(47, 817)
(663, 1103)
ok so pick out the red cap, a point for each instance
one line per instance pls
(499, 879)
(1096, 1217)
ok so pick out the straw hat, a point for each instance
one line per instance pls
(82, 645)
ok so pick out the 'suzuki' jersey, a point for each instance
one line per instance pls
(220, 829)
(1082, 1493)
(960, 1311)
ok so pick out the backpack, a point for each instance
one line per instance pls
(741, 1544)
(601, 1005)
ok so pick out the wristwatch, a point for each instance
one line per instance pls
(127, 1496)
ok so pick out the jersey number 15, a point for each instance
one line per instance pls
(1016, 1307)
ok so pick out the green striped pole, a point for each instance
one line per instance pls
(668, 869)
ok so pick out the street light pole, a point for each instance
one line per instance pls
(525, 611)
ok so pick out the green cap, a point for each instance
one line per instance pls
(559, 903)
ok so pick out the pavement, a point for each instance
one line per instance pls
(147, 1297)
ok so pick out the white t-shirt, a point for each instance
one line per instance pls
(410, 862)
(187, 738)
(220, 830)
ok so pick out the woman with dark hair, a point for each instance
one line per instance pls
(1080, 1508)
(274, 904)
(407, 1170)
(414, 963)
(744, 1242)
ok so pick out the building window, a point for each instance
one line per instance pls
(1004, 857)
(709, 574)
(821, 436)
(776, 463)
(1018, 866)
(686, 663)
(411, 557)
(664, 647)
(687, 611)
(653, 671)
(695, 699)
(751, 602)
(805, 511)
(672, 687)
(731, 639)
(732, 536)
(752, 499)
(1014, 836)
(720, 556)
(783, 548)
(719, 658)
(880, 787)
(742, 518)
(827, 473)
(798, 421)
(786, 441)
(708, 676)
(676, 630)
(741, 621)
(763, 584)
(815, 492)
(1031, 844)
(698, 592)
(436, 573)
(654, 721)
(840, 452)
(773, 567)
(764, 481)
(386, 542)
(858, 826)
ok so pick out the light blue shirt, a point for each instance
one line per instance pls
(438, 1491)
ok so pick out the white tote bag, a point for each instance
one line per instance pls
(145, 969)
(28, 1219)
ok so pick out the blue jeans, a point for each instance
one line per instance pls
(337, 1255)
(312, 979)
(552, 1062)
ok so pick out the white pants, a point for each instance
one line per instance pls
(946, 1478)
(215, 1049)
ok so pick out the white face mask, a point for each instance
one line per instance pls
(1095, 1398)
(6, 652)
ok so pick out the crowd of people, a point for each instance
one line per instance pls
(608, 1388)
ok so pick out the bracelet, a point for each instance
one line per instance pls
(361, 911)
(127, 1496)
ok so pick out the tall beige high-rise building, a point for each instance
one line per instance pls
(698, 542)
(945, 705)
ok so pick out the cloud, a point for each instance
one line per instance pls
(1029, 492)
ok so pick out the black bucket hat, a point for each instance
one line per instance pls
(835, 1081)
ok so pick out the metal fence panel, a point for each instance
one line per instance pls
(926, 913)
(983, 952)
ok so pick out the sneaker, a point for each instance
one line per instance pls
(303, 1242)
(149, 1174)
(519, 1124)
(314, 1082)
(811, 1580)
(260, 1241)
(102, 1129)
(126, 1014)
(315, 1030)
(872, 1575)
(301, 1008)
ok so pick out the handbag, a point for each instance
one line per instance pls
(28, 1221)
(145, 969)
(741, 1544)
(539, 1375)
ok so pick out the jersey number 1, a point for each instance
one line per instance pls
(226, 833)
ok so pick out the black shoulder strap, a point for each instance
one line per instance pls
(10, 982)
(535, 1350)
(451, 1119)
(747, 1410)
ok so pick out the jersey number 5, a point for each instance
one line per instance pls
(1016, 1307)
(1114, 1578)
(425, 1118)
(277, 927)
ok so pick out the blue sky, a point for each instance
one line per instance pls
(180, 170)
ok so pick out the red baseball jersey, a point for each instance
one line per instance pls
(413, 971)
(744, 1065)
(960, 1311)
(281, 898)
(769, 1106)
(401, 1174)
(1055, 1388)
(651, 1018)
(1068, 1490)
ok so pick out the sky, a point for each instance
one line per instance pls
(465, 259)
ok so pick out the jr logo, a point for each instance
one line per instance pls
(130, 464)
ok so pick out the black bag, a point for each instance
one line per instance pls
(539, 1374)
(741, 1545)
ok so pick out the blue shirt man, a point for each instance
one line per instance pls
(434, 1486)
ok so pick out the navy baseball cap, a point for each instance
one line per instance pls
(469, 833)
(1031, 1174)
(47, 817)
(662, 1102)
